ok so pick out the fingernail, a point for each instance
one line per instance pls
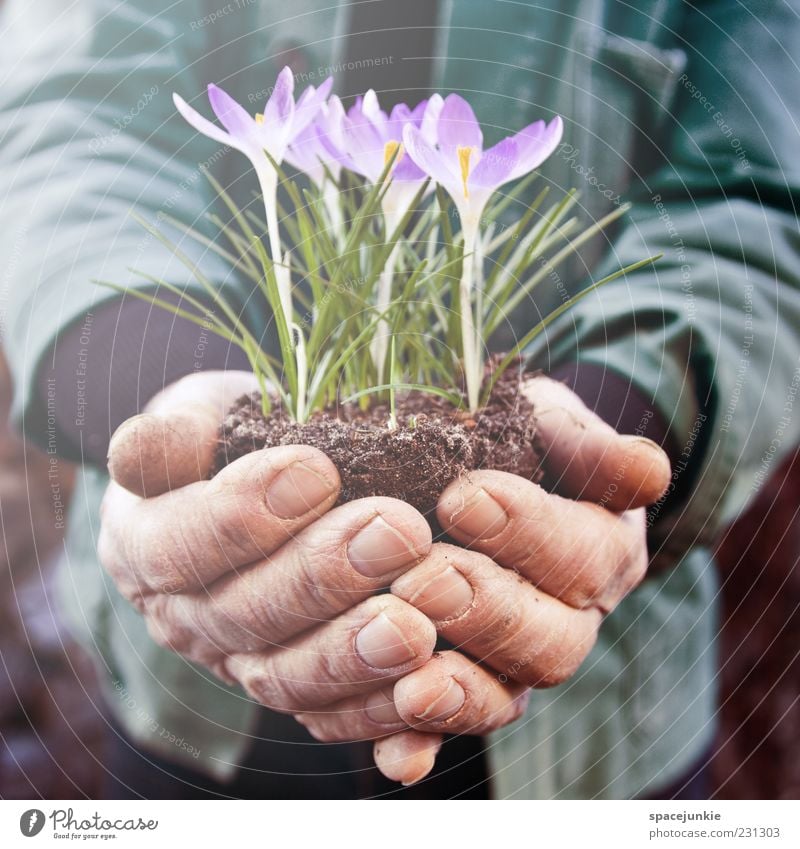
(446, 705)
(379, 707)
(378, 549)
(479, 517)
(445, 596)
(382, 645)
(296, 490)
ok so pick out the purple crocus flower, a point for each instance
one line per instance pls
(372, 137)
(311, 152)
(273, 131)
(312, 146)
(470, 174)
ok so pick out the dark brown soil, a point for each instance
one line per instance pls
(433, 444)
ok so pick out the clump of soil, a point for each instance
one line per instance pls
(433, 444)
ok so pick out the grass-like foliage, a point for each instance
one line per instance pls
(371, 289)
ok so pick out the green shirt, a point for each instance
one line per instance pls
(687, 110)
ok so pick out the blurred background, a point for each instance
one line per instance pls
(52, 725)
(53, 729)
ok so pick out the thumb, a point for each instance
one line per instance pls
(173, 442)
(587, 459)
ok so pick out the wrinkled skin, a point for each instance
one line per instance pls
(256, 574)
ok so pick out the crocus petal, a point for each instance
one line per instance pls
(309, 105)
(495, 166)
(370, 108)
(370, 135)
(280, 106)
(430, 160)
(365, 147)
(313, 95)
(392, 129)
(417, 113)
(331, 126)
(334, 161)
(430, 118)
(203, 125)
(236, 120)
(305, 154)
(535, 143)
(336, 152)
(530, 134)
(402, 114)
(406, 170)
(309, 153)
(458, 126)
(332, 122)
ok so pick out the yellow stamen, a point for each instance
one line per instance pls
(464, 154)
(389, 150)
(259, 118)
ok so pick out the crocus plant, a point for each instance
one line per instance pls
(456, 160)
(373, 142)
(371, 289)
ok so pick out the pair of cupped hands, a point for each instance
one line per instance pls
(256, 575)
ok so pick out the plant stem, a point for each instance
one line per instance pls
(469, 342)
(269, 190)
(392, 390)
(332, 202)
(301, 412)
(268, 182)
(380, 342)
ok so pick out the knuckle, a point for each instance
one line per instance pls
(164, 627)
(255, 621)
(604, 591)
(561, 665)
(606, 574)
(320, 573)
(553, 663)
(637, 572)
(586, 582)
(518, 707)
(165, 562)
(261, 688)
(163, 575)
(219, 668)
(115, 563)
(329, 669)
(287, 689)
(499, 631)
(164, 634)
(271, 690)
(616, 581)
(577, 639)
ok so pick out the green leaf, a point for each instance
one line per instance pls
(552, 316)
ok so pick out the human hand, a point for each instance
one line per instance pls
(568, 557)
(254, 573)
